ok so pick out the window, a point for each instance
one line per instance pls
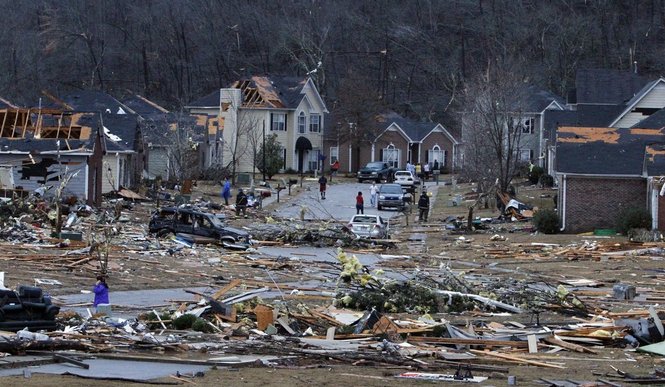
(526, 155)
(313, 160)
(302, 122)
(391, 156)
(334, 154)
(436, 154)
(315, 123)
(527, 125)
(278, 121)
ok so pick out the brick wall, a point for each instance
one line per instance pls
(594, 202)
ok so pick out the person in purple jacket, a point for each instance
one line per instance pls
(101, 291)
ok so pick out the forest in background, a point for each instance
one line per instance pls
(412, 56)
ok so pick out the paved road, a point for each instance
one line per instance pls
(340, 202)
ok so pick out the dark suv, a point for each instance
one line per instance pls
(196, 226)
(392, 195)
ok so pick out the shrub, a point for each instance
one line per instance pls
(546, 221)
(290, 171)
(630, 218)
(200, 325)
(546, 181)
(184, 322)
(535, 173)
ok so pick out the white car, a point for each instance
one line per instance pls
(368, 226)
(405, 178)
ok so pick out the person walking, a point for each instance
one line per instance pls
(423, 207)
(226, 191)
(241, 203)
(426, 171)
(334, 167)
(322, 186)
(360, 204)
(101, 291)
(373, 191)
(419, 171)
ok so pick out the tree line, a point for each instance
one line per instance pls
(415, 57)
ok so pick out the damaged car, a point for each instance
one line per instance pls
(197, 227)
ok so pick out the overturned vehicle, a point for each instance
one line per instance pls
(27, 307)
(197, 226)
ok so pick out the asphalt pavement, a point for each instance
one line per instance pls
(340, 202)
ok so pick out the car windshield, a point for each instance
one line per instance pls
(364, 219)
(215, 221)
(402, 174)
(375, 165)
(391, 189)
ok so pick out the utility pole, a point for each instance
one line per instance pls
(264, 150)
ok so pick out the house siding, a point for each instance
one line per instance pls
(31, 181)
(655, 99)
(590, 206)
(158, 163)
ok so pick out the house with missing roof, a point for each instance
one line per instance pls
(258, 106)
(41, 147)
(602, 170)
(124, 157)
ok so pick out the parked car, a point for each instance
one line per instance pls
(196, 226)
(376, 171)
(406, 178)
(392, 195)
(368, 226)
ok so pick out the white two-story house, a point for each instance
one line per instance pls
(251, 108)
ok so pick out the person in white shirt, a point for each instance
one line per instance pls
(373, 190)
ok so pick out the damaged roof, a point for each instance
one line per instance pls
(42, 132)
(120, 131)
(609, 151)
(92, 101)
(268, 92)
(143, 106)
(606, 86)
(654, 121)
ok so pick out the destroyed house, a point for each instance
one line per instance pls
(289, 107)
(42, 146)
(124, 159)
(602, 171)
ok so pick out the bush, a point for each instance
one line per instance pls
(546, 181)
(184, 322)
(535, 173)
(630, 218)
(546, 221)
(200, 325)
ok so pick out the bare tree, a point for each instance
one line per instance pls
(492, 127)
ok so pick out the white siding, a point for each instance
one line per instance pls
(655, 99)
(158, 163)
(31, 181)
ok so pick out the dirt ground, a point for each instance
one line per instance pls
(140, 261)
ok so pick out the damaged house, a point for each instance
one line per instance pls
(258, 106)
(602, 171)
(124, 157)
(41, 146)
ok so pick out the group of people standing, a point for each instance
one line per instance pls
(423, 171)
(241, 198)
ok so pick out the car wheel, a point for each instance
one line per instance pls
(378, 207)
(360, 180)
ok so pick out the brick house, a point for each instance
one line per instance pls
(399, 140)
(603, 170)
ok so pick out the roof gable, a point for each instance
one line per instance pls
(606, 86)
(641, 95)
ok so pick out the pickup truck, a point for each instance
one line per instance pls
(376, 171)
